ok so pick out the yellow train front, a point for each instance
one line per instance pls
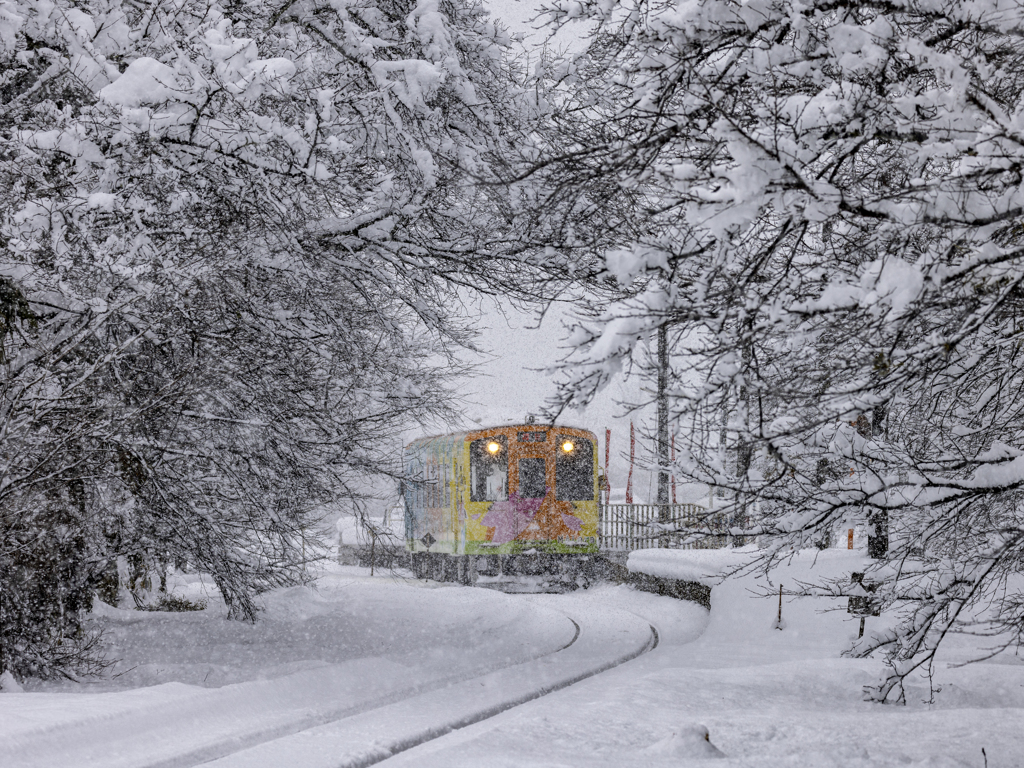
(506, 505)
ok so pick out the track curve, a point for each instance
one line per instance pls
(605, 638)
(173, 725)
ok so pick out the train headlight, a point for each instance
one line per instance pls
(493, 448)
(568, 446)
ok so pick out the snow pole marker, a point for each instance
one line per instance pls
(778, 624)
(607, 465)
(673, 466)
(632, 453)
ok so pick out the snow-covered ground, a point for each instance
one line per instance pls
(360, 666)
(186, 682)
(766, 697)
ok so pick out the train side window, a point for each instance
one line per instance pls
(488, 469)
(574, 469)
(532, 484)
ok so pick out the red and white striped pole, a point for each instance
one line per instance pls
(632, 453)
(607, 466)
(673, 466)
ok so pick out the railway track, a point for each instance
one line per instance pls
(333, 717)
(604, 639)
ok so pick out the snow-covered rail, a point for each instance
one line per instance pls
(607, 638)
(283, 721)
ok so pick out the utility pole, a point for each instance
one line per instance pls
(663, 512)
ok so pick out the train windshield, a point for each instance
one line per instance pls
(488, 469)
(531, 479)
(574, 469)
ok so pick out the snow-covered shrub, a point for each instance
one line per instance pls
(177, 604)
(45, 591)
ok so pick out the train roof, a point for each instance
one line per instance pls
(504, 427)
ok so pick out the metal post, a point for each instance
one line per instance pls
(778, 621)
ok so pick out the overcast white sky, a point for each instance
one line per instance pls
(518, 16)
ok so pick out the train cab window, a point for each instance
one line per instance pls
(532, 484)
(488, 469)
(574, 469)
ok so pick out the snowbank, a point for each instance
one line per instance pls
(704, 566)
(745, 606)
(691, 742)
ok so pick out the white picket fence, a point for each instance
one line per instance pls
(675, 526)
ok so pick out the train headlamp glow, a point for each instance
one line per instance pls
(493, 448)
(568, 447)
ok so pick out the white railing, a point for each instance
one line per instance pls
(676, 526)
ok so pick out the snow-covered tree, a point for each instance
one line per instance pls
(828, 201)
(233, 236)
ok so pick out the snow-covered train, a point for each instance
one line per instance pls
(509, 504)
